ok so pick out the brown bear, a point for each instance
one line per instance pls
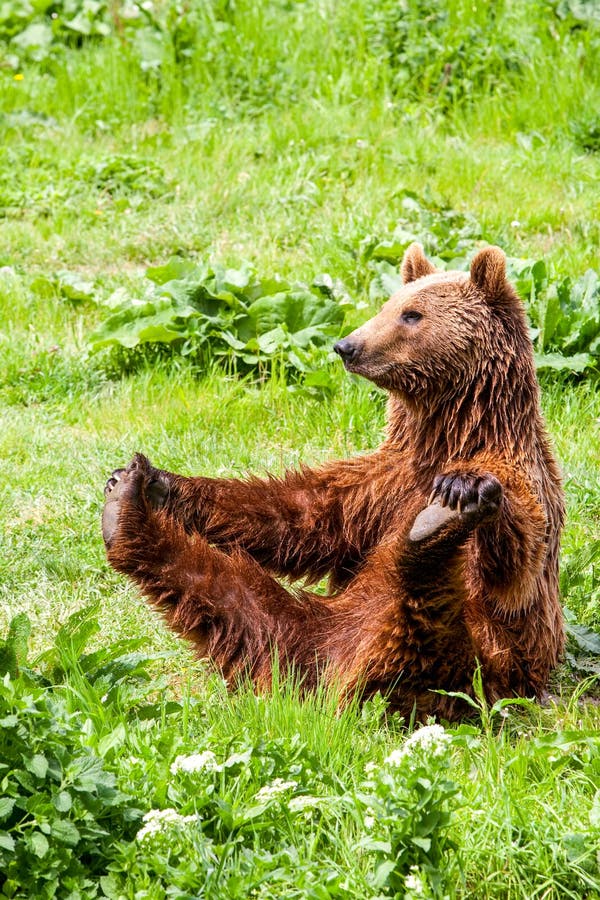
(441, 546)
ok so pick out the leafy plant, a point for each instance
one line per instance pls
(229, 314)
(63, 813)
(576, 12)
(586, 132)
(408, 805)
(13, 650)
(61, 810)
(211, 312)
(564, 312)
(428, 54)
(446, 234)
(33, 31)
(119, 175)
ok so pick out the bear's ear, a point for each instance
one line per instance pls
(415, 264)
(488, 271)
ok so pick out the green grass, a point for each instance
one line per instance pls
(285, 137)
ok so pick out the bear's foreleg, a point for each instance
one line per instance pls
(512, 570)
(508, 551)
(307, 524)
(413, 637)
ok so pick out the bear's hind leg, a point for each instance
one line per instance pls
(230, 608)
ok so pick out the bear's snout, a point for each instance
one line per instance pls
(348, 349)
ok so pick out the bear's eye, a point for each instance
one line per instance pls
(410, 317)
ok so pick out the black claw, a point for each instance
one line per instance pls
(490, 491)
(462, 490)
(113, 480)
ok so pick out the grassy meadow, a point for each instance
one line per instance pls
(292, 137)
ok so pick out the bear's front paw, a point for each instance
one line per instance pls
(467, 499)
(136, 484)
(460, 490)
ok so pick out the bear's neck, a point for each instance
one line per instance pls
(487, 416)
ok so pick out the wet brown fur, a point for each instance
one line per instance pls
(402, 617)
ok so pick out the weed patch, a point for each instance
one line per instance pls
(265, 810)
(211, 312)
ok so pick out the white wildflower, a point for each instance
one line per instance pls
(369, 822)
(302, 803)
(431, 739)
(414, 882)
(371, 767)
(515, 223)
(198, 762)
(396, 756)
(160, 820)
(277, 787)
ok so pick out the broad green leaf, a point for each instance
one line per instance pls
(249, 814)
(296, 309)
(579, 362)
(150, 46)
(63, 801)
(539, 273)
(237, 759)
(8, 660)
(37, 765)
(233, 341)
(176, 269)
(461, 696)
(38, 843)
(585, 638)
(64, 830)
(7, 842)
(423, 842)
(393, 251)
(549, 319)
(272, 341)
(382, 873)
(378, 846)
(74, 287)
(386, 282)
(34, 40)
(79, 628)
(10, 721)
(160, 320)
(504, 702)
(6, 806)
(237, 278)
(112, 740)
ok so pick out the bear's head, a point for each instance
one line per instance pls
(442, 330)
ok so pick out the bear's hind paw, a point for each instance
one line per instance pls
(138, 483)
(113, 493)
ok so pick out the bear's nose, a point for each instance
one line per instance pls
(347, 349)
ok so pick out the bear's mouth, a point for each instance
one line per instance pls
(378, 373)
